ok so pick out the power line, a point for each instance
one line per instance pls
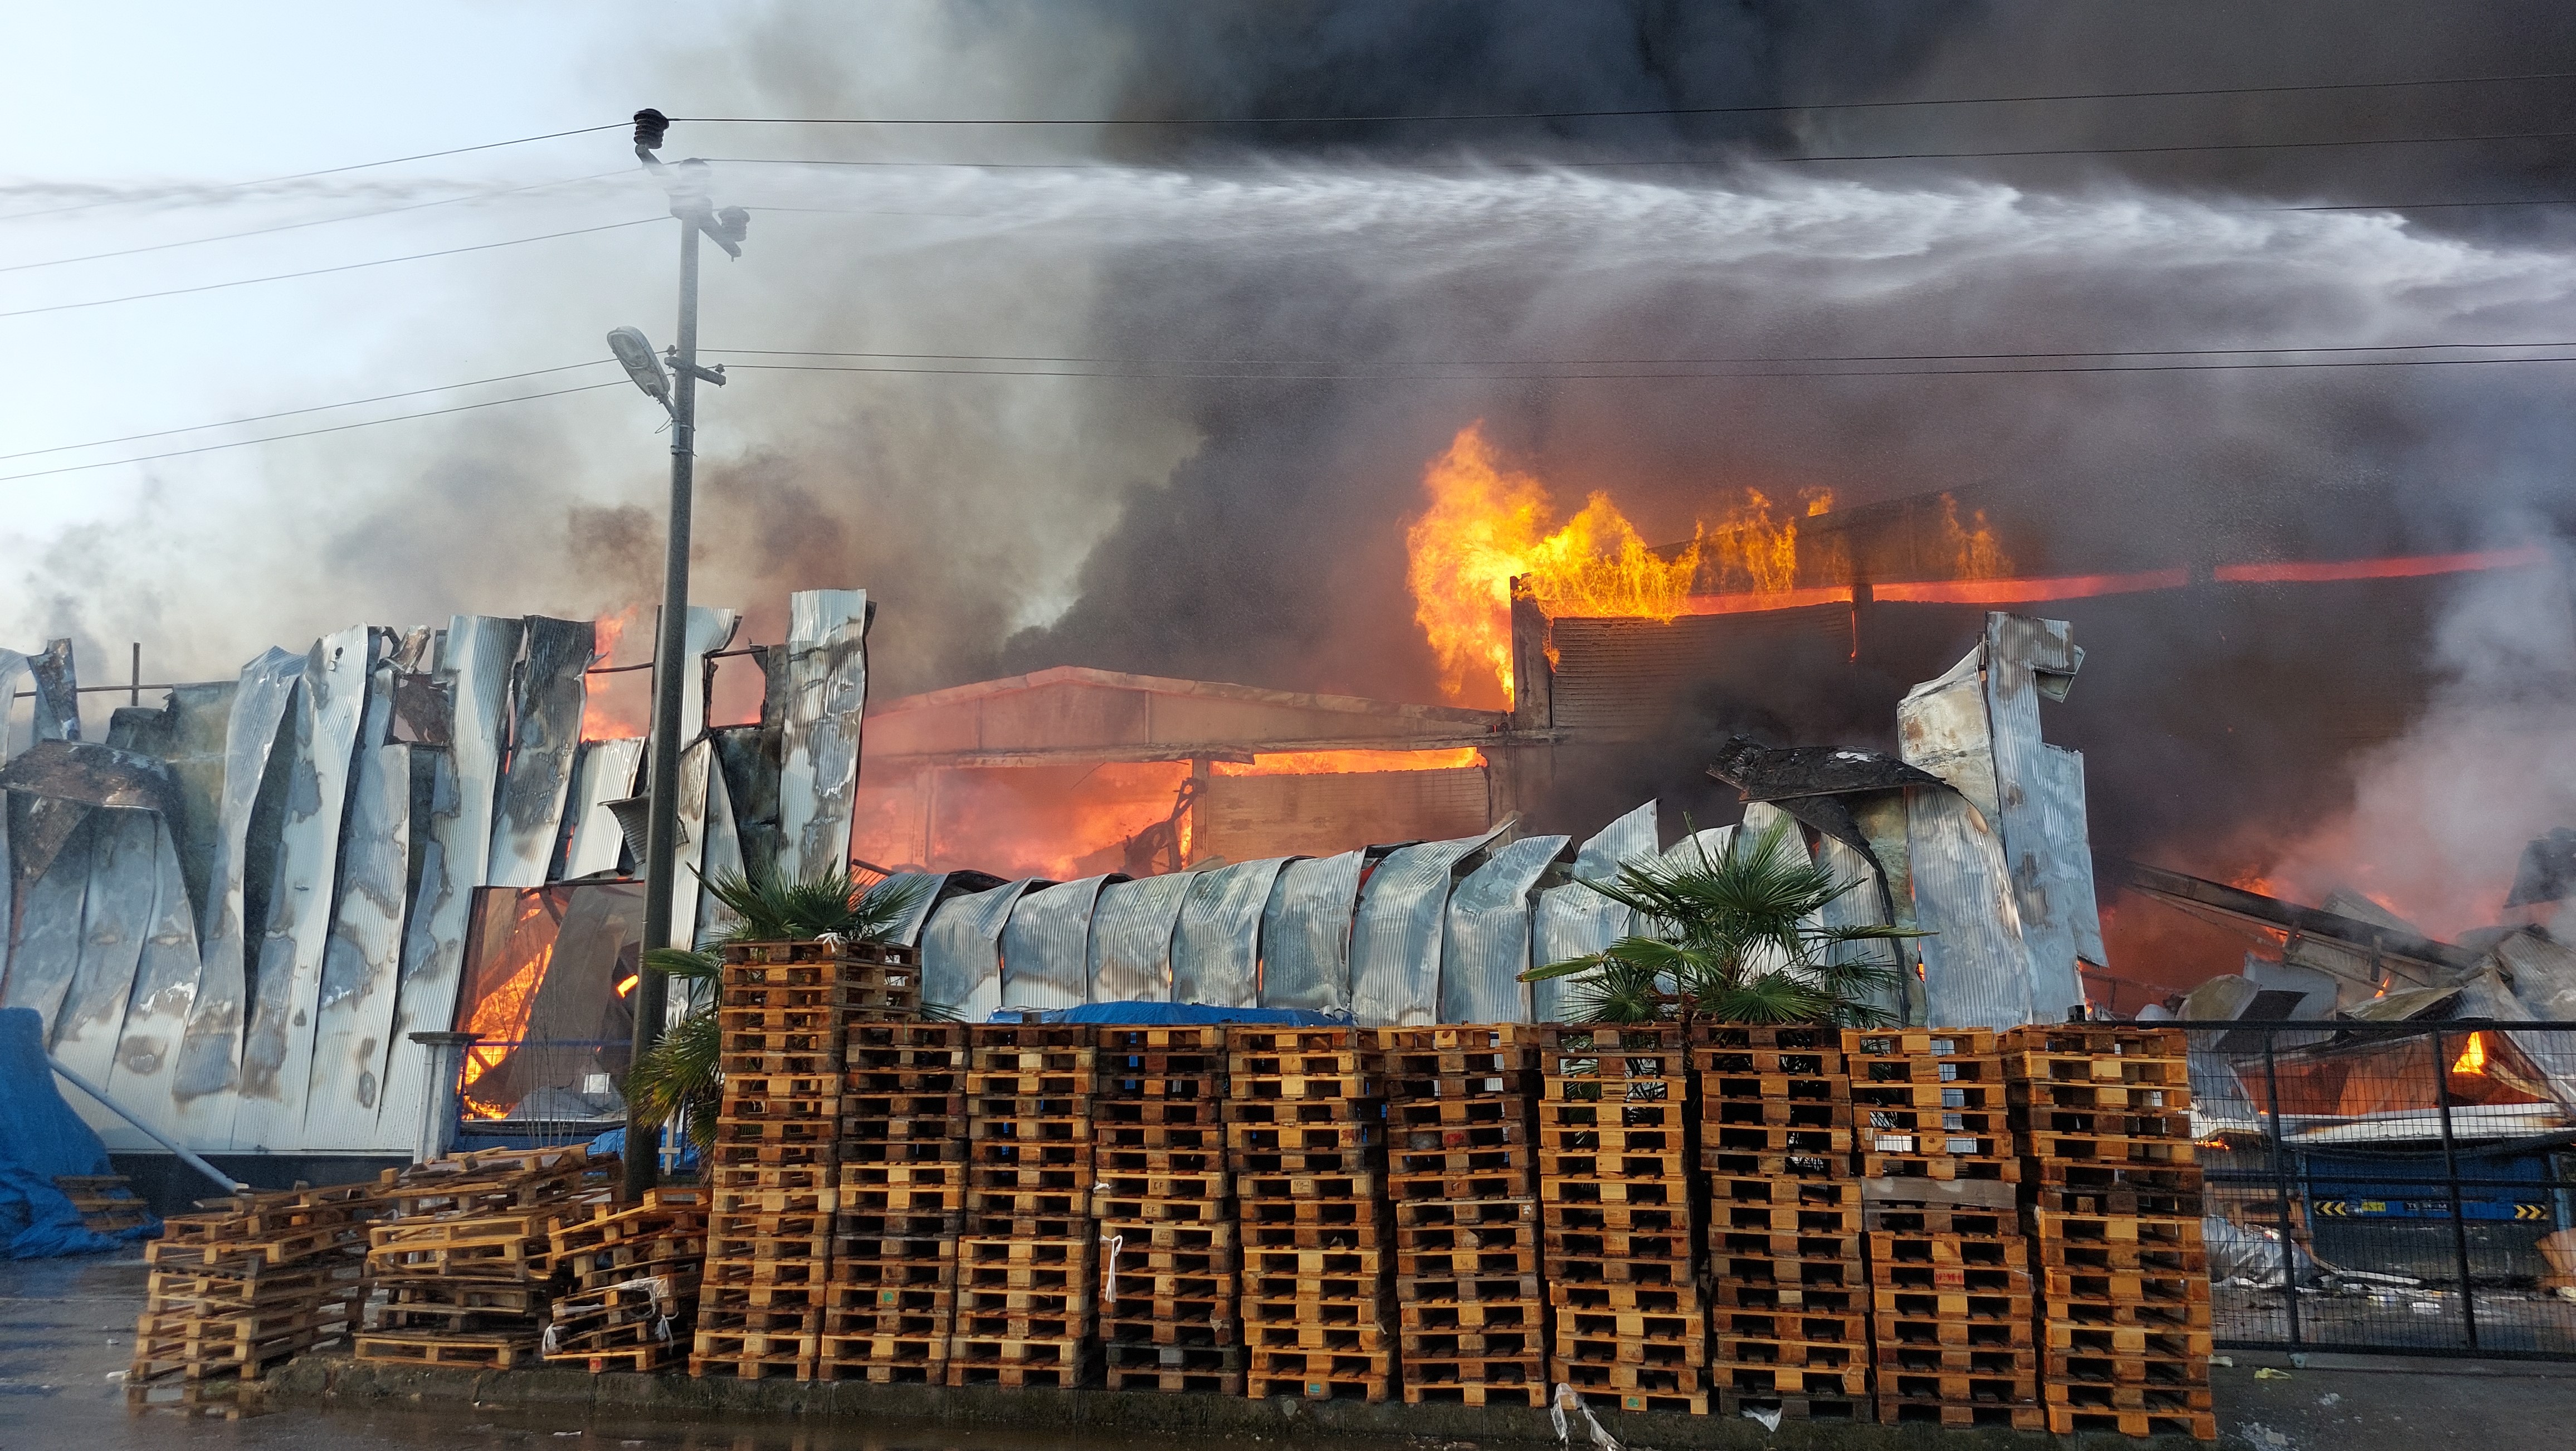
(336, 170)
(312, 432)
(1676, 362)
(295, 412)
(322, 271)
(1643, 111)
(315, 222)
(1578, 377)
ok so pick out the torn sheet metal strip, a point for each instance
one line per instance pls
(12, 666)
(362, 959)
(1131, 939)
(46, 956)
(907, 930)
(286, 986)
(116, 917)
(1485, 944)
(1395, 938)
(1216, 945)
(165, 982)
(961, 950)
(1862, 903)
(1574, 920)
(1941, 727)
(455, 842)
(710, 629)
(2017, 649)
(827, 690)
(697, 765)
(209, 1063)
(1975, 969)
(1046, 946)
(57, 714)
(605, 771)
(547, 694)
(1306, 934)
(721, 856)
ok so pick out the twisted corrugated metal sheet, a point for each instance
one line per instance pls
(355, 1009)
(1395, 938)
(1485, 944)
(827, 690)
(1131, 939)
(1216, 946)
(1576, 921)
(1306, 934)
(1974, 973)
(1046, 947)
(961, 950)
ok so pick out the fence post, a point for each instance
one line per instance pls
(438, 1107)
(2451, 1172)
(2281, 1186)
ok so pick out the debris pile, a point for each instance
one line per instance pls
(1791, 1311)
(2114, 1204)
(1631, 1326)
(242, 1286)
(1025, 1263)
(1461, 1102)
(892, 1300)
(634, 1272)
(1165, 1206)
(466, 1259)
(1949, 1266)
(105, 1203)
(1305, 1134)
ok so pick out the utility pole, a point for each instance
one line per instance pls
(688, 186)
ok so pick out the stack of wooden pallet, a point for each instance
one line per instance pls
(1165, 1206)
(631, 1302)
(1949, 1268)
(465, 1261)
(1460, 1156)
(1786, 1271)
(1305, 1134)
(1025, 1264)
(243, 1285)
(1615, 1186)
(782, 1013)
(893, 1288)
(105, 1203)
(2114, 1203)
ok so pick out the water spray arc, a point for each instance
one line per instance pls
(689, 187)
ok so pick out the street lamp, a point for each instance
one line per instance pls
(689, 186)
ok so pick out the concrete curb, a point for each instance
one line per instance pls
(325, 1381)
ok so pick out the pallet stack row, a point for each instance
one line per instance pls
(242, 1286)
(892, 1301)
(104, 1202)
(630, 1301)
(1305, 1135)
(2113, 1199)
(1461, 1163)
(1164, 1202)
(465, 1260)
(1025, 1262)
(1949, 1269)
(1787, 1275)
(1615, 1187)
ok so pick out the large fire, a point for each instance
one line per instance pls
(1324, 763)
(501, 1015)
(616, 705)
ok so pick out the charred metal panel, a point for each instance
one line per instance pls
(908, 930)
(362, 959)
(196, 760)
(165, 982)
(1395, 938)
(47, 953)
(1046, 947)
(1626, 678)
(12, 665)
(2032, 823)
(1131, 939)
(1941, 728)
(1306, 934)
(2058, 788)
(1975, 970)
(1216, 946)
(57, 693)
(115, 918)
(209, 1062)
(286, 987)
(961, 950)
(1485, 944)
(1862, 904)
(1576, 921)
(453, 837)
(606, 771)
(1763, 773)
(827, 691)
(1241, 818)
(709, 629)
(91, 774)
(697, 763)
(547, 691)
(750, 760)
(722, 855)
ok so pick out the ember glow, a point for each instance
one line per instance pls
(501, 1015)
(616, 706)
(2473, 1058)
(2413, 566)
(1325, 763)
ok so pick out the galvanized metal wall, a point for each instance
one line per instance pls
(547, 694)
(827, 690)
(1395, 938)
(1046, 946)
(362, 961)
(1485, 943)
(1575, 921)
(1306, 934)
(961, 950)
(1216, 944)
(1131, 939)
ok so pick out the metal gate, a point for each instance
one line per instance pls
(2390, 1187)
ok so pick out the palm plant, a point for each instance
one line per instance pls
(680, 1073)
(1736, 936)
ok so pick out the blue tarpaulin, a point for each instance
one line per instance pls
(41, 1139)
(1148, 1014)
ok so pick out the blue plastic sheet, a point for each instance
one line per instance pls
(1161, 1014)
(41, 1139)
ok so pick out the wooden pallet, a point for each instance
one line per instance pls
(1959, 1416)
(486, 1352)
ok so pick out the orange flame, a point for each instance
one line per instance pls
(501, 1015)
(2473, 1058)
(1327, 763)
(615, 706)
